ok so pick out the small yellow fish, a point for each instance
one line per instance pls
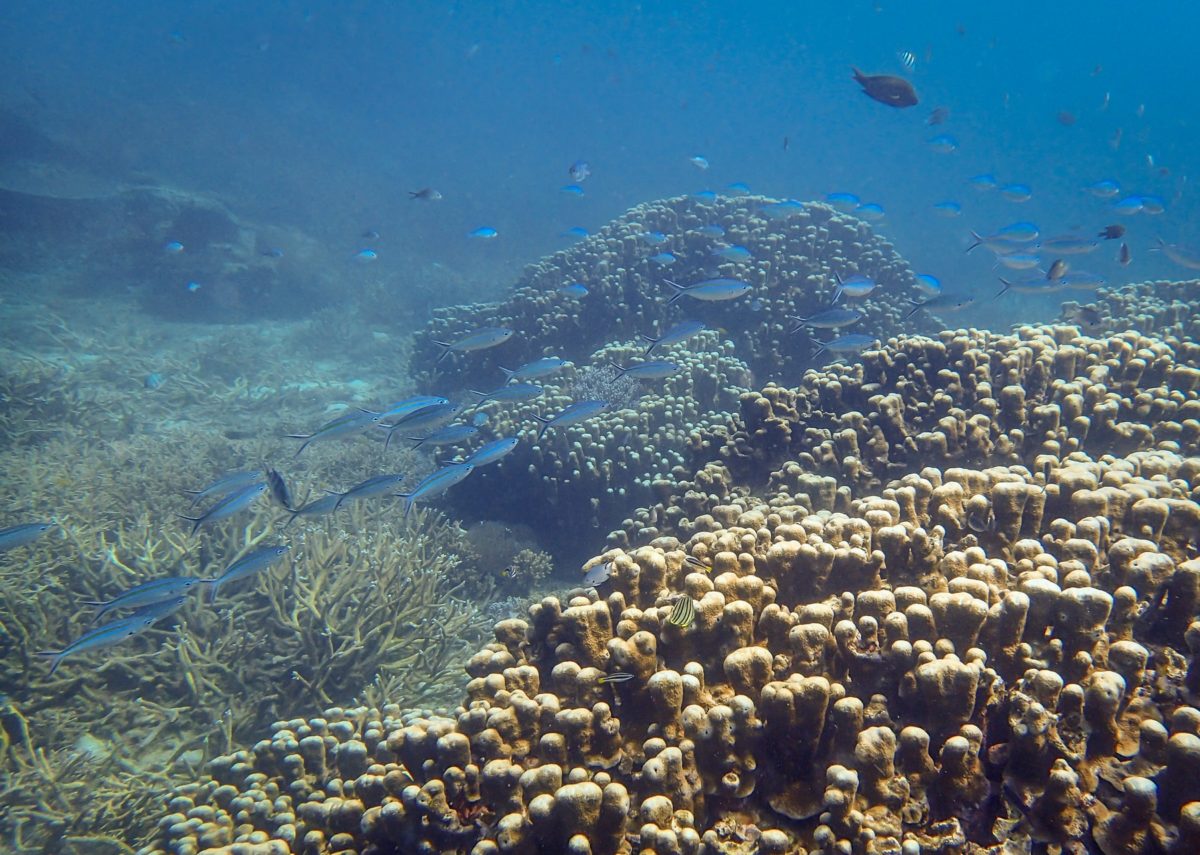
(616, 677)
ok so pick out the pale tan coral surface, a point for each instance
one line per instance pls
(995, 647)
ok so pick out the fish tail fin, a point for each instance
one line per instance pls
(414, 194)
(508, 372)
(978, 240)
(1161, 244)
(216, 586)
(306, 437)
(620, 369)
(858, 75)
(837, 295)
(195, 521)
(482, 396)
(445, 346)
(1003, 290)
(59, 656)
(913, 310)
(545, 424)
(387, 442)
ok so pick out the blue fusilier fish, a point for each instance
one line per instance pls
(160, 610)
(733, 253)
(316, 508)
(710, 290)
(872, 211)
(928, 284)
(855, 343)
(348, 424)
(533, 370)
(573, 414)
(376, 485)
(1184, 256)
(1069, 245)
(681, 331)
(654, 370)
(102, 636)
(427, 418)
(845, 202)
(944, 303)
(830, 319)
(408, 406)
(145, 594)
(227, 506)
(449, 435)
(19, 535)
(855, 286)
(436, 484)
(492, 451)
(478, 340)
(1019, 260)
(515, 392)
(247, 565)
(1016, 192)
(782, 210)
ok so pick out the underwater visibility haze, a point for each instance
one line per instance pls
(599, 428)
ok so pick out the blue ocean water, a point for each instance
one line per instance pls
(326, 115)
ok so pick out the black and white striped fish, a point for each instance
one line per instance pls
(683, 614)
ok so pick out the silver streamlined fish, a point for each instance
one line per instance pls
(247, 565)
(226, 507)
(435, 484)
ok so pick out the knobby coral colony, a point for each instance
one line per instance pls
(888, 657)
(795, 251)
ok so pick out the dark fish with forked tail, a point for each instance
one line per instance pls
(279, 489)
(887, 89)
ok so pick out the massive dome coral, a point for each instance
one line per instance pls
(994, 647)
(794, 253)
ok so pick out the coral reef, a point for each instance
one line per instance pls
(982, 654)
(586, 477)
(1158, 308)
(792, 269)
(967, 397)
(368, 604)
